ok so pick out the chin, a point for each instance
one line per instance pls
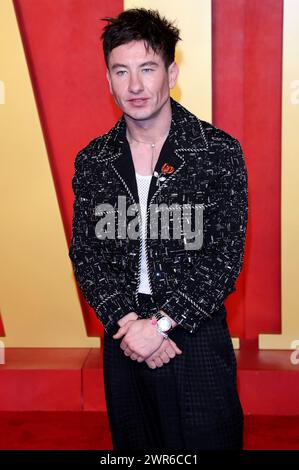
(141, 116)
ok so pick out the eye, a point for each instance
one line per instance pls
(147, 70)
(120, 73)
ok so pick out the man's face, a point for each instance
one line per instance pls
(139, 81)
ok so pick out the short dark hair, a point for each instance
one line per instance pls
(138, 24)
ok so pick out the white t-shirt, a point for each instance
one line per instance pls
(143, 184)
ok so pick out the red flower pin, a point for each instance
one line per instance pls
(167, 169)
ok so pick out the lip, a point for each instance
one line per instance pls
(138, 101)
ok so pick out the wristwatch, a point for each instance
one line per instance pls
(164, 324)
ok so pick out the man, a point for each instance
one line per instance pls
(169, 364)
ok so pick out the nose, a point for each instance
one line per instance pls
(135, 83)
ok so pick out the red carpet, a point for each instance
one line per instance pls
(69, 430)
(54, 399)
(66, 430)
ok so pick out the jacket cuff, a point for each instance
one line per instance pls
(112, 309)
(184, 311)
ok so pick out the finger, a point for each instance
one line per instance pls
(121, 332)
(166, 348)
(123, 345)
(133, 357)
(158, 361)
(140, 359)
(128, 352)
(151, 364)
(165, 358)
(171, 352)
(159, 351)
(175, 347)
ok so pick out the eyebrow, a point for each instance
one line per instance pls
(150, 62)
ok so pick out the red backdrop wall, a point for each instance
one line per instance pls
(62, 46)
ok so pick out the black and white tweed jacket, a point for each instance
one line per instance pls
(189, 285)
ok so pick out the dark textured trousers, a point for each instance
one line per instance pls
(190, 403)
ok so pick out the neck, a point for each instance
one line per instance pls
(152, 129)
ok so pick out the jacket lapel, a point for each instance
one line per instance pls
(123, 165)
(167, 156)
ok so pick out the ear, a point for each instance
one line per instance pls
(173, 72)
(109, 80)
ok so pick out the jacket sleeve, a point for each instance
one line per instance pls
(203, 290)
(97, 282)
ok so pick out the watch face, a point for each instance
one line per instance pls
(164, 324)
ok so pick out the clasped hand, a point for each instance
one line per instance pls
(142, 342)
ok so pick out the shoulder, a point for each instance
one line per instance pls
(91, 152)
(99, 148)
(228, 151)
(87, 162)
(223, 149)
(217, 137)
(202, 131)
